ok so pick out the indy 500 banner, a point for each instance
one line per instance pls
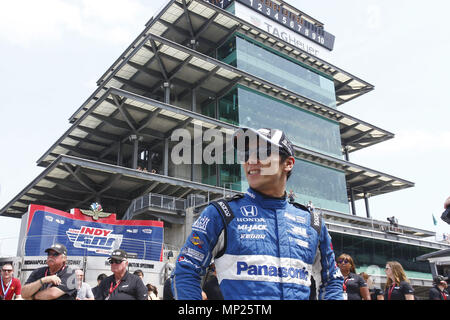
(84, 236)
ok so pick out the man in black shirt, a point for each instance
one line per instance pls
(439, 291)
(121, 285)
(167, 292)
(55, 282)
(100, 278)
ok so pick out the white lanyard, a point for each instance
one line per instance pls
(3, 288)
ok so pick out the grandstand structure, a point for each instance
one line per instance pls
(200, 65)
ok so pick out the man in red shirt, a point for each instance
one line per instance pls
(10, 286)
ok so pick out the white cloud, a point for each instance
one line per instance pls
(24, 22)
(27, 22)
(417, 141)
(373, 17)
(116, 21)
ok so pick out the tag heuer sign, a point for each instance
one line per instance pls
(96, 212)
(279, 13)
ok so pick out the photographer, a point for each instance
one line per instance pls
(439, 290)
(393, 221)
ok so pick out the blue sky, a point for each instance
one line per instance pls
(53, 52)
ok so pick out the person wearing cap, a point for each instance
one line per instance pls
(54, 282)
(121, 285)
(439, 290)
(263, 246)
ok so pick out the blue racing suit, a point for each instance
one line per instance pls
(263, 248)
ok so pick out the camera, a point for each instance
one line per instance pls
(446, 215)
(393, 220)
(439, 279)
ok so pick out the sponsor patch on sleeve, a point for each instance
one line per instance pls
(194, 254)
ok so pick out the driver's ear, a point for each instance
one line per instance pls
(288, 164)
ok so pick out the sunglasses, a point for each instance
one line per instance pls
(7, 270)
(261, 154)
(115, 261)
(53, 254)
(244, 155)
(343, 261)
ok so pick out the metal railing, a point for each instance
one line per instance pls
(157, 201)
(391, 229)
(229, 191)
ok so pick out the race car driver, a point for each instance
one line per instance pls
(263, 246)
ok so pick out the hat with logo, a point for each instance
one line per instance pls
(274, 137)
(58, 247)
(438, 279)
(118, 254)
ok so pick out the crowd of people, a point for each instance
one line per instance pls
(397, 287)
(58, 281)
(144, 169)
(291, 258)
(52, 282)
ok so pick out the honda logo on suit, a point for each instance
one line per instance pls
(249, 211)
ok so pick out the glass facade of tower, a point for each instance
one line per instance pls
(246, 107)
(268, 64)
(243, 106)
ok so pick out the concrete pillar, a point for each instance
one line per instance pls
(166, 157)
(347, 158)
(352, 202)
(166, 86)
(217, 175)
(192, 163)
(149, 161)
(366, 202)
(194, 100)
(216, 104)
(119, 154)
(135, 140)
